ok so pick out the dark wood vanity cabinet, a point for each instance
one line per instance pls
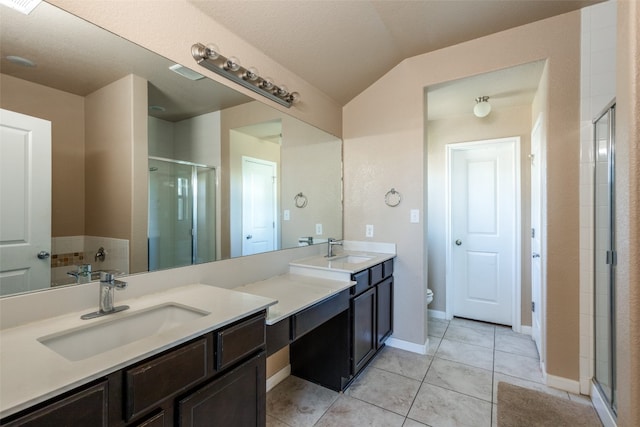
(334, 352)
(216, 379)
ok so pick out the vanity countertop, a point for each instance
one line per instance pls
(294, 293)
(32, 373)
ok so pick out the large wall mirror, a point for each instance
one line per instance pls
(152, 165)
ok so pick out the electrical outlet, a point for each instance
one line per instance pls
(287, 215)
(369, 230)
(319, 229)
(415, 216)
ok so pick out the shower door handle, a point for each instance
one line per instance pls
(249, 237)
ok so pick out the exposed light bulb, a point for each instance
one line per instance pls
(482, 107)
(282, 91)
(294, 97)
(251, 74)
(267, 83)
(232, 64)
(212, 51)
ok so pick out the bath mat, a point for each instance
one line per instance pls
(521, 407)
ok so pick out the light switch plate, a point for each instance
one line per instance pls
(415, 216)
(287, 215)
(369, 230)
(319, 229)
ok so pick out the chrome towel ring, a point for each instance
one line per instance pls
(300, 200)
(392, 198)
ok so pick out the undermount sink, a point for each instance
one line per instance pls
(351, 259)
(109, 333)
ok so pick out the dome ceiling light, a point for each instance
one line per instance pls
(482, 107)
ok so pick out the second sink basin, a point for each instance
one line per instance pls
(109, 333)
(351, 259)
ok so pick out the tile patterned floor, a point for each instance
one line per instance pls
(455, 384)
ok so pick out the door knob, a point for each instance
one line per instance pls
(249, 236)
(43, 255)
(458, 242)
(535, 255)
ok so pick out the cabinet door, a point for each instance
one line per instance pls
(384, 298)
(238, 398)
(84, 408)
(364, 328)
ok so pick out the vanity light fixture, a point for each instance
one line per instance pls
(482, 107)
(210, 58)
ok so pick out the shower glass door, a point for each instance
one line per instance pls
(605, 256)
(181, 213)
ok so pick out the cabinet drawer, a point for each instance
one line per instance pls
(235, 342)
(375, 274)
(362, 281)
(278, 336)
(84, 408)
(158, 420)
(161, 377)
(317, 314)
(387, 268)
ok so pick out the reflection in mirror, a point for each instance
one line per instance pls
(152, 167)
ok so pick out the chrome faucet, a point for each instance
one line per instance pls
(108, 283)
(330, 244)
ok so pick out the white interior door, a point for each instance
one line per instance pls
(484, 197)
(258, 205)
(25, 203)
(536, 236)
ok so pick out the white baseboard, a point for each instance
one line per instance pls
(572, 386)
(602, 409)
(525, 330)
(408, 346)
(436, 314)
(278, 377)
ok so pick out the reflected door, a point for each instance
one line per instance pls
(258, 206)
(25, 207)
(605, 255)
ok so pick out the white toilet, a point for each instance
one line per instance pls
(429, 296)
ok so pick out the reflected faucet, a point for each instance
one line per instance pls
(108, 283)
(330, 244)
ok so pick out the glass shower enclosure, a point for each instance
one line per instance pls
(605, 256)
(182, 212)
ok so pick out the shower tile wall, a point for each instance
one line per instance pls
(70, 251)
(598, 88)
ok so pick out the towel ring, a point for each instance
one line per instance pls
(392, 198)
(300, 200)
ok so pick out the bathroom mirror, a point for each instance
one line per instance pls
(152, 169)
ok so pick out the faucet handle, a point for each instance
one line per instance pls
(106, 277)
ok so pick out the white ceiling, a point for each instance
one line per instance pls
(342, 47)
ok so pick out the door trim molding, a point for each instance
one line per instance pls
(516, 310)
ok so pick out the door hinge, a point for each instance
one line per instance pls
(533, 233)
(612, 258)
(533, 306)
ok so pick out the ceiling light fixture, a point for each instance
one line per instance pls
(22, 6)
(482, 107)
(210, 58)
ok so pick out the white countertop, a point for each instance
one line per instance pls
(294, 293)
(338, 267)
(31, 373)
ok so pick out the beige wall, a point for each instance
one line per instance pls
(116, 146)
(146, 23)
(628, 213)
(384, 148)
(514, 121)
(65, 111)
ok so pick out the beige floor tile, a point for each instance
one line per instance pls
(462, 378)
(457, 321)
(413, 423)
(480, 357)
(299, 403)
(385, 389)
(517, 344)
(515, 365)
(579, 398)
(436, 328)
(402, 362)
(272, 422)
(480, 337)
(436, 406)
(434, 343)
(347, 411)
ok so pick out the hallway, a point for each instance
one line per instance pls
(455, 384)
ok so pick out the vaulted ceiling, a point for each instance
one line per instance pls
(342, 47)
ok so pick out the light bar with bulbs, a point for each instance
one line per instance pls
(210, 58)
